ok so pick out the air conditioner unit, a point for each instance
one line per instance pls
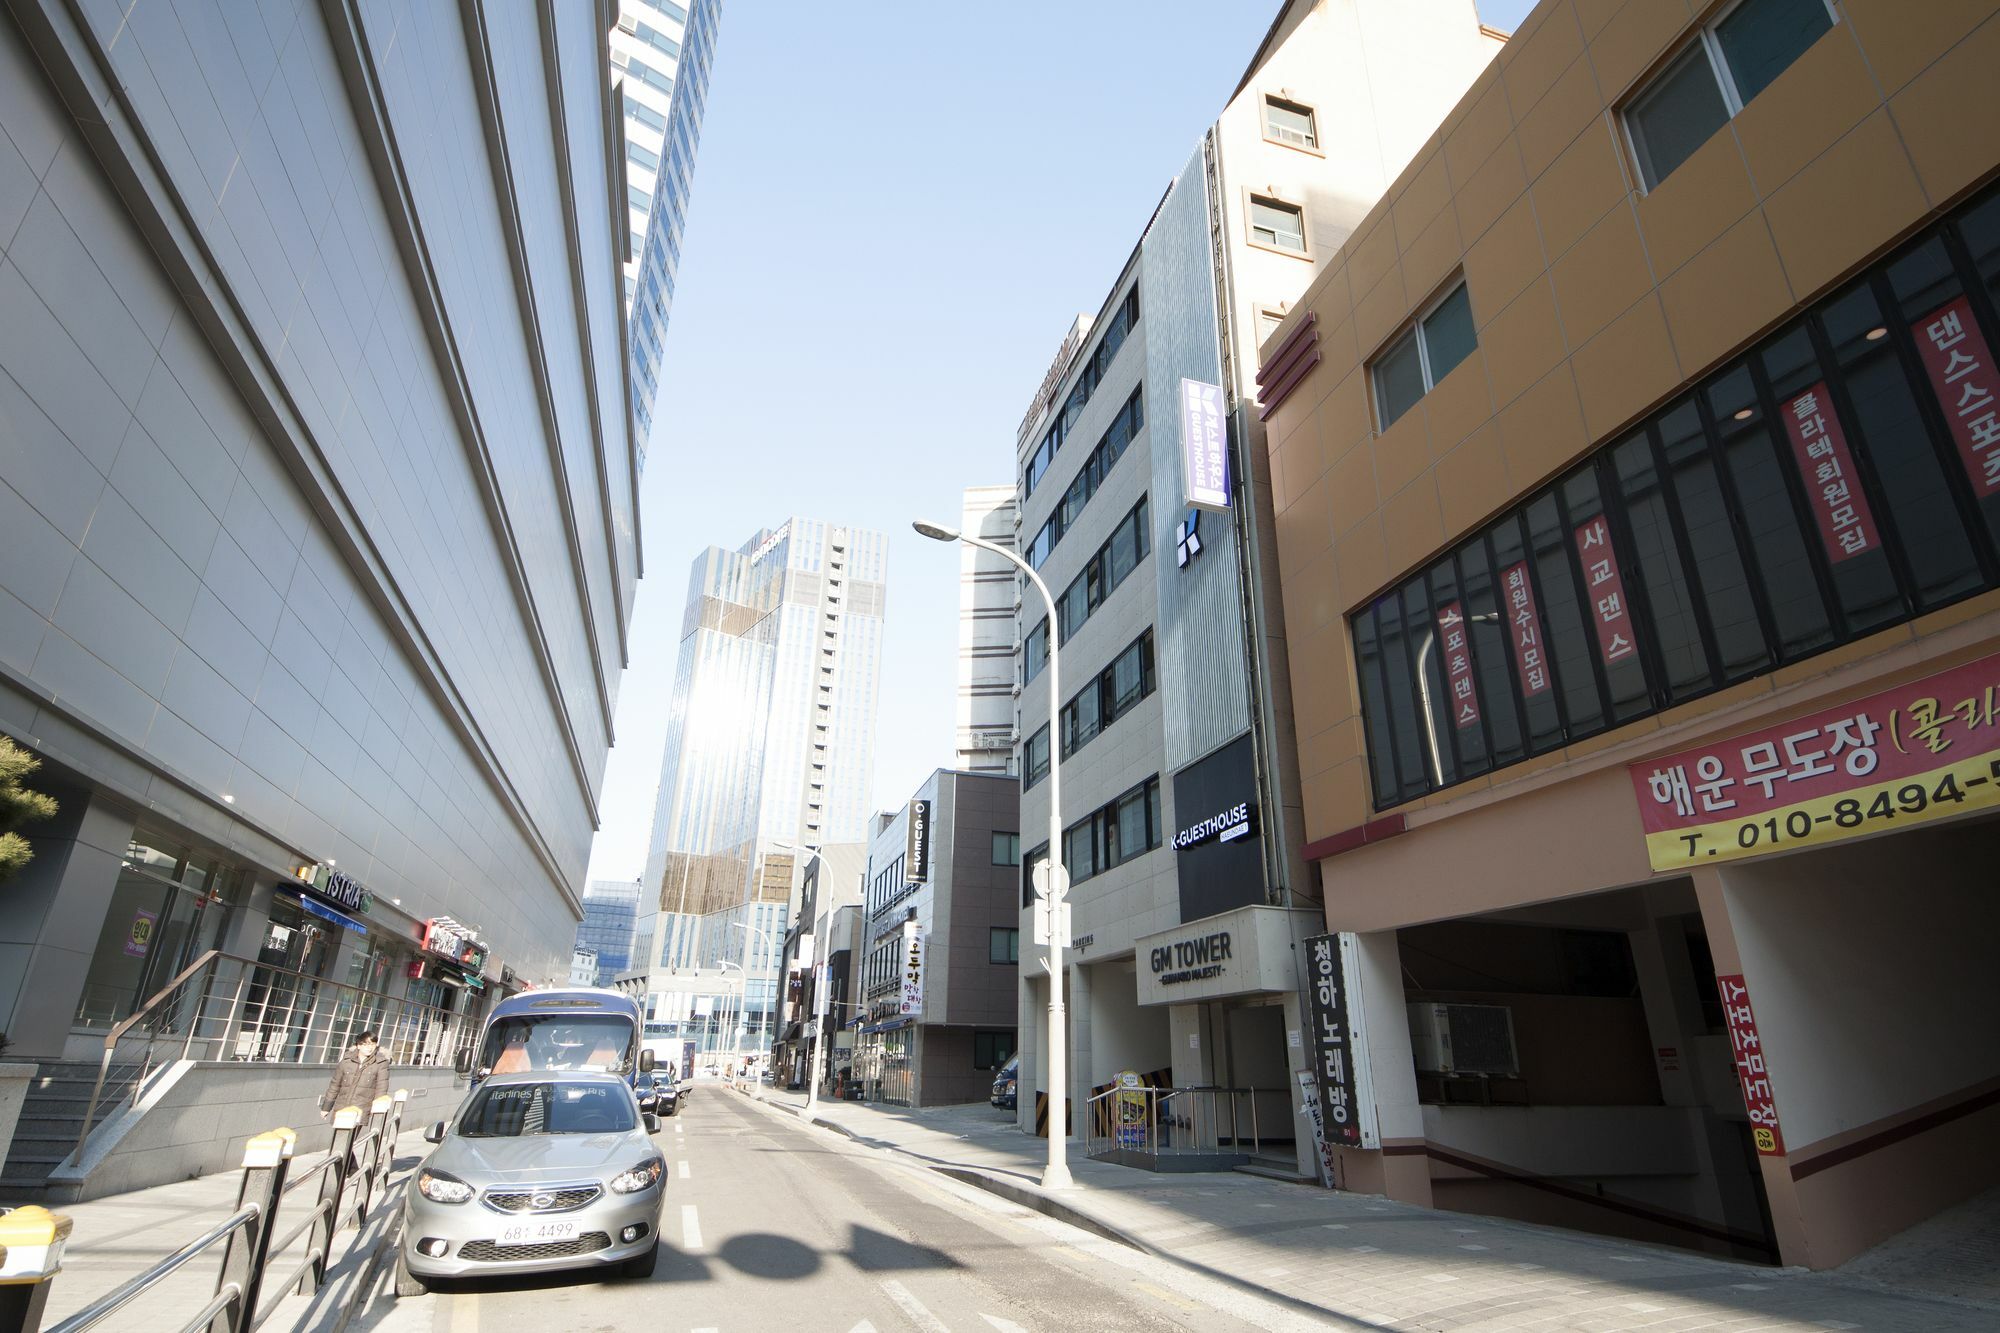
(1464, 1039)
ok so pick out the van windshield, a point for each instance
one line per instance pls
(514, 1109)
(527, 1042)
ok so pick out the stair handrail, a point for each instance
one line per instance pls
(322, 986)
(118, 1031)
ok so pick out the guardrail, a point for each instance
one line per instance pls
(340, 1187)
(1169, 1122)
(226, 1007)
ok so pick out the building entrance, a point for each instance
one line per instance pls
(1253, 1064)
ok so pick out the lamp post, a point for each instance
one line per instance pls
(728, 1002)
(1056, 1174)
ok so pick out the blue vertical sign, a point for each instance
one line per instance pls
(1204, 446)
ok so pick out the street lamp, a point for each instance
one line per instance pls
(816, 1067)
(728, 1002)
(1056, 1174)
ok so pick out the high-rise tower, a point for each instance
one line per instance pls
(661, 51)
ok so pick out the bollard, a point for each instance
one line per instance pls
(31, 1250)
(331, 1183)
(265, 1160)
(371, 1174)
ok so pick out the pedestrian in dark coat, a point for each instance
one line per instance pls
(361, 1076)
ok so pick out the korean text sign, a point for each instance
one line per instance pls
(1747, 1048)
(1960, 366)
(1458, 666)
(1330, 1041)
(1608, 609)
(1921, 751)
(1819, 448)
(1204, 446)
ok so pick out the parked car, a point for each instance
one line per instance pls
(1004, 1082)
(542, 1170)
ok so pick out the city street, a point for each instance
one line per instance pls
(771, 1225)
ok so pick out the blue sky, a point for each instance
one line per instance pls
(897, 210)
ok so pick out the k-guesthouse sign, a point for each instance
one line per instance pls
(1922, 751)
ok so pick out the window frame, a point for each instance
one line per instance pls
(1413, 327)
(1705, 37)
(1252, 198)
(1293, 105)
(1008, 957)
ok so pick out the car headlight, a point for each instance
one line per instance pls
(641, 1177)
(442, 1187)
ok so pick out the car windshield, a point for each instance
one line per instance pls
(517, 1109)
(529, 1042)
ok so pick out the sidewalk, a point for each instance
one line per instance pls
(1367, 1261)
(118, 1237)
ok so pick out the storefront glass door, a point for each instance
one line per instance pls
(170, 904)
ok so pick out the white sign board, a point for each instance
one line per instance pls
(1204, 446)
(912, 1004)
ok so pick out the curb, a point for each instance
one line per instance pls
(1013, 1192)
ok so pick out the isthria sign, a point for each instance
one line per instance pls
(1918, 752)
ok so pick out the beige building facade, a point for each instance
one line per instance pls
(1639, 548)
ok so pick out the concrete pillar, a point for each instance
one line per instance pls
(1297, 1062)
(50, 916)
(1399, 1169)
(1033, 1074)
(1081, 1028)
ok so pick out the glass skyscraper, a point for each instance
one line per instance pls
(770, 745)
(661, 52)
(610, 918)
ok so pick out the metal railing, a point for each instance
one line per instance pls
(225, 1007)
(1165, 1122)
(348, 1179)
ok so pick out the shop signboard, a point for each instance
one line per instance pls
(917, 844)
(1525, 626)
(1960, 367)
(1332, 1042)
(912, 1002)
(1748, 1050)
(1926, 750)
(448, 939)
(1607, 590)
(1204, 446)
(1833, 488)
(340, 889)
(1131, 1107)
(1458, 666)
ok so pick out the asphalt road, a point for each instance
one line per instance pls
(772, 1225)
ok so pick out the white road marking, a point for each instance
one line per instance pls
(1336, 1226)
(690, 1228)
(1003, 1325)
(1749, 1286)
(1472, 1247)
(1644, 1308)
(681, 1169)
(913, 1308)
(1363, 1249)
(863, 1327)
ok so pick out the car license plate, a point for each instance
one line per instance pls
(534, 1233)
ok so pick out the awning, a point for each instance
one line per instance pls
(889, 1026)
(325, 913)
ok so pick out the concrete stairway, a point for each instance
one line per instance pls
(51, 1116)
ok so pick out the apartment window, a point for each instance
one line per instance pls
(1275, 223)
(1289, 122)
(1730, 61)
(1035, 758)
(1113, 834)
(1124, 427)
(1115, 692)
(1428, 350)
(991, 1050)
(1117, 328)
(1006, 849)
(1826, 484)
(1035, 652)
(1268, 321)
(1003, 944)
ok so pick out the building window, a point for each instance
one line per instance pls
(1268, 321)
(1427, 351)
(1277, 224)
(1831, 482)
(1113, 834)
(1290, 123)
(1124, 428)
(1115, 692)
(1117, 329)
(1003, 944)
(1006, 849)
(1730, 61)
(1129, 544)
(991, 1050)
(1035, 758)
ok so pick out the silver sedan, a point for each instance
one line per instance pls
(540, 1171)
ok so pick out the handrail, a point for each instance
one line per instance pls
(1174, 1122)
(122, 1294)
(249, 1233)
(324, 991)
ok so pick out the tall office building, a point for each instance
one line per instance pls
(661, 52)
(986, 593)
(610, 920)
(770, 746)
(316, 543)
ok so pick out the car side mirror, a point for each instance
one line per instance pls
(434, 1132)
(652, 1122)
(462, 1062)
(646, 1062)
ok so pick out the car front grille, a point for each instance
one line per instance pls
(556, 1199)
(488, 1252)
